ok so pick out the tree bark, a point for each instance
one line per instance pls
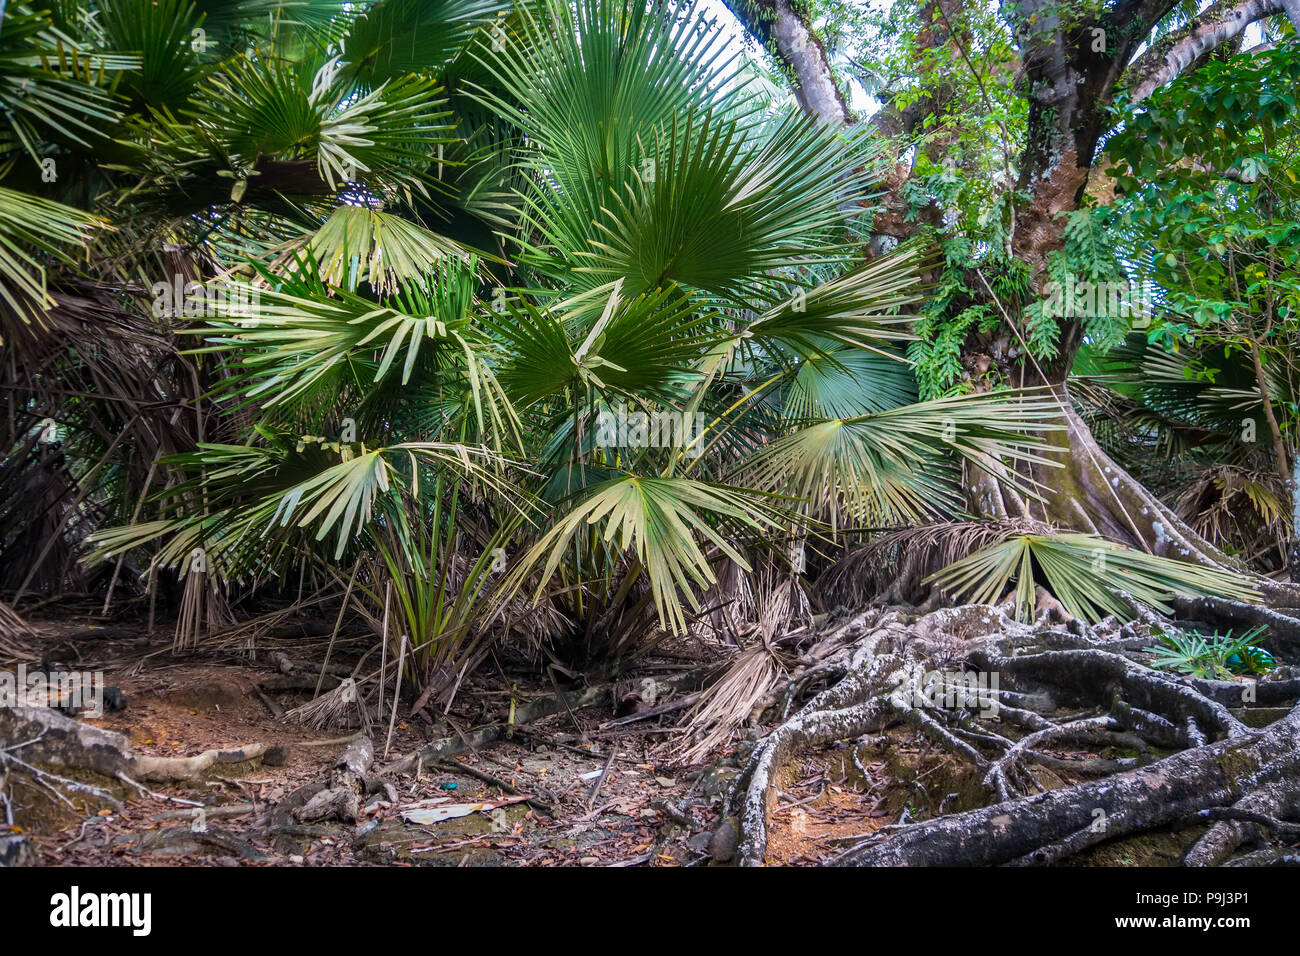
(784, 30)
(1089, 492)
(1067, 691)
(1173, 54)
(1292, 10)
(1026, 830)
(1070, 75)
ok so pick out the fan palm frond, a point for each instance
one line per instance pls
(166, 36)
(886, 466)
(358, 245)
(860, 309)
(1084, 572)
(51, 85)
(393, 38)
(848, 382)
(32, 232)
(666, 524)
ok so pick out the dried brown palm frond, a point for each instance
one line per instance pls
(93, 397)
(1239, 510)
(342, 706)
(786, 605)
(278, 629)
(38, 486)
(609, 616)
(770, 599)
(732, 601)
(893, 566)
(754, 671)
(727, 704)
(14, 633)
(203, 609)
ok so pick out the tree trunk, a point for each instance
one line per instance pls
(1089, 492)
(1295, 523)
(785, 31)
(1069, 71)
(1292, 10)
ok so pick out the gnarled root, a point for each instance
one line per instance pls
(43, 738)
(1050, 826)
(1059, 689)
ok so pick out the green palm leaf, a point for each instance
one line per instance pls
(861, 308)
(884, 466)
(297, 343)
(51, 85)
(644, 348)
(1084, 572)
(32, 231)
(848, 382)
(360, 246)
(666, 524)
(397, 37)
(162, 34)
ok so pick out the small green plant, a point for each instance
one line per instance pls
(1216, 657)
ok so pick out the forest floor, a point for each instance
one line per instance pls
(643, 807)
(594, 785)
(638, 808)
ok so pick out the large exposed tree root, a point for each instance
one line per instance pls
(45, 740)
(1283, 629)
(1068, 690)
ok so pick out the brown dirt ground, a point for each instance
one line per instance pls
(648, 811)
(181, 706)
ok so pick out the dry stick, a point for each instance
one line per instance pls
(9, 809)
(397, 694)
(135, 516)
(686, 701)
(558, 693)
(469, 771)
(600, 781)
(276, 710)
(331, 742)
(152, 588)
(383, 648)
(338, 622)
(552, 742)
(210, 813)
